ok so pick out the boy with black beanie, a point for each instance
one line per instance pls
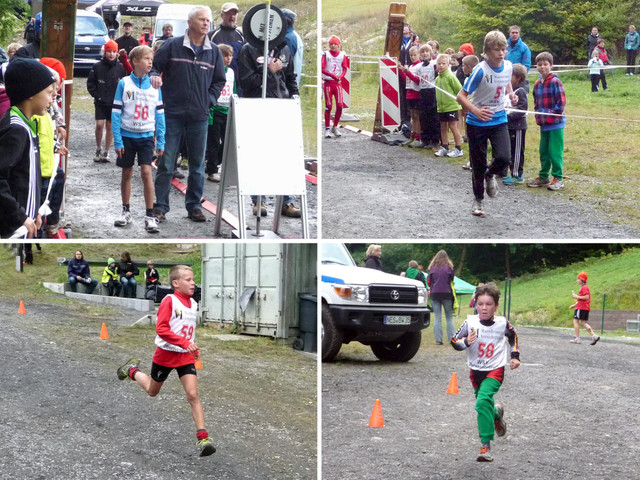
(29, 86)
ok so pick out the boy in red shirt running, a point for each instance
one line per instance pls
(334, 67)
(582, 306)
(176, 328)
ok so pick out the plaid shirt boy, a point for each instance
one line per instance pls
(548, 97)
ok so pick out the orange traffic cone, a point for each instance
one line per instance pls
(21, 309)
(198, 364)
(376, 416)
(104, 335)
(453, 384)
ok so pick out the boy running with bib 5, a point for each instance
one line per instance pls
(176, 328)
(138, 115)
(483, 337)
(483, 96)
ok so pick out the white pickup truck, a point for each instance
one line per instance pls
(386, 312)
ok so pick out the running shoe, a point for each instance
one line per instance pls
(442, 152)
(499, 423)
(538, 182)
(124, 219)
(556, 184)
(594, 339)
(335, 131)
(478, 208)
(485, 455)
(455, 153)
(327, 133)
(575, 340)
(96, 157)
(206, 447)
(123, 371)
(491, 186)
(513, 180)
(467, 166)
(151, 224)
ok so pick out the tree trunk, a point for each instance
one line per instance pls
(463, 257)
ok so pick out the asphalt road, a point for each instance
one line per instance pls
(571, 412)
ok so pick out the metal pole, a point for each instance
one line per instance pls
(504, 304)
(604, 302)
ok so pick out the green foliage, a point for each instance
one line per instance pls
(12, 15)
(557, 26)
(489, 262)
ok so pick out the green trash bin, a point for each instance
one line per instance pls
(308, 316)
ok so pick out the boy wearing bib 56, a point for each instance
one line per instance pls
(176, 329)
(483, 337)
(138, 115)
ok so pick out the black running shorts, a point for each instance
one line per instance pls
(581, 315)
(160, 373)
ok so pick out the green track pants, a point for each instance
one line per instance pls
(551, 150)
(486, 409)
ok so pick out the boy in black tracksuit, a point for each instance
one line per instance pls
(517, 122)
(101, 85)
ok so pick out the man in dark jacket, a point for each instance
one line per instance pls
(126, 41)
(32, 49)
(229, 34)
(78, 272)
(592, 41)
(281, 83)
(192, 78)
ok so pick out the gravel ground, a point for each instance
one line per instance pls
(65, 415)
(93, 195)
(396, 192)
(569, 410)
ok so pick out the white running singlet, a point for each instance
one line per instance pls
(182, 322)
(489, 351)
(333, 64)
(139, 107)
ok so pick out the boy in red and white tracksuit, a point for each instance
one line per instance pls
(176, 329)
(334, 67)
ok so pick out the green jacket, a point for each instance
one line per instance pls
(448, 82)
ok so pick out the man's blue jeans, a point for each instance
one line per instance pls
(196, 139)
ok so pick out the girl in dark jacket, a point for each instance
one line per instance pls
(372, 260)
(128, 271)
(439, 279)
(101, 85)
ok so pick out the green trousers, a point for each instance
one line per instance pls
(551, 150)
(486, 409)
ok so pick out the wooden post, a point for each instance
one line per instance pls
(392, 44)
(58, 41)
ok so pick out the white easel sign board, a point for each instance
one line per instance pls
(269, 150)
(264, 154)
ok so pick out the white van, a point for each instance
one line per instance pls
(175, 14)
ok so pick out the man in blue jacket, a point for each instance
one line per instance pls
(517, 50)
(192, 78)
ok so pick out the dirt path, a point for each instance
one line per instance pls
(93, 196)
(396, 192)
(65, 414)
(569, 409)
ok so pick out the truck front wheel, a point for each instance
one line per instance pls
(401, 350)
(331, 336)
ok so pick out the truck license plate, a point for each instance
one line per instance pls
(397, 319)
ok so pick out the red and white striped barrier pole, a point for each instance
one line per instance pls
(389, 93)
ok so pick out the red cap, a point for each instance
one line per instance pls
(335, 40)
(583, 276)
(111, 46)
(467, 48)
(56, 65)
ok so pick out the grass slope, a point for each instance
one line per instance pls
(45, 268)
